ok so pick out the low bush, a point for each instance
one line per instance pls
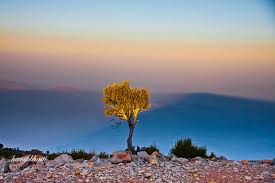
(185, 149)
(212, 155)
(81, 154)
(75, 154)
(150, 149)
(8, 153)
(103, 155)
(52, 156)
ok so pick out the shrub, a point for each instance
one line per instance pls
(103, 155)
(185, 149)
(212, 155)
(75, 154)
(53, 156)
(150, 149)
(8, 153)
(81, 154)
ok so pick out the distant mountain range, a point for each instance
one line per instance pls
(15, 85)
(57, 120)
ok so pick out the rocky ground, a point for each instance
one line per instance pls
(139, 168)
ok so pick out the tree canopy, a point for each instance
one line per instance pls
(124, 102)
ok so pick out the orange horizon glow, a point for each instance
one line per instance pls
(142, 49)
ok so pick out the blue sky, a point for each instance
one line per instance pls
(209, 18)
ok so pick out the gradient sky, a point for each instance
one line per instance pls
(180, 46)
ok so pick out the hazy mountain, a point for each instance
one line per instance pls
(51, 120)
(237, 128)
(14, 85)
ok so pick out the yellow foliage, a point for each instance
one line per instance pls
(124, 102)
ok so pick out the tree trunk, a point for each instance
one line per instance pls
(129, 140)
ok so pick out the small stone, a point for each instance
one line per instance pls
(51, 169)
(265, 174)
(248, 178)
(148, 175)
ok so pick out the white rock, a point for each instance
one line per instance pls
(60, 160)
(143, 155)
(3, 165)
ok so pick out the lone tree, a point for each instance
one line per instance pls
(125, 103)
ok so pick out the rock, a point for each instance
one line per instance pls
(265, 174)
(193, 160)
(179, 160)
(38, 165)
(51, 169)
(222, 158)
(153, 160)
(97, 161)
(77, 172)
(4, 166)
(213, 159)
(267, 162)
(172, 156)
(138, 161)
(86, 171)
(121, 157)
(60, 160)
(18, 166)
(143, 155)
(147, 175)
(248, 178)
(156, 153)
(79, 160)
(245, 162)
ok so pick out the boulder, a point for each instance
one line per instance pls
(267, 162)
(121, 157)
(245, 162)
(18, 166)
(154, 160)
(3, 165)
(156, 153)
(97, 161)
(19, 163)
(143, 155)
(60, 160)
(138, 161)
